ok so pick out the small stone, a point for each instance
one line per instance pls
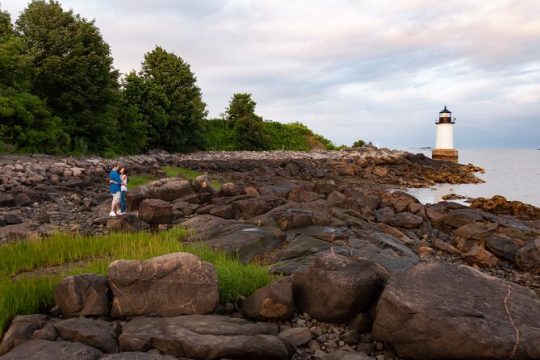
(296, 336)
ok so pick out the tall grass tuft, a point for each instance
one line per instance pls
(30, 270)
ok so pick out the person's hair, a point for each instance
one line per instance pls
(123, 168)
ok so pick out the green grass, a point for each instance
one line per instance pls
(30, 270)
(170, 171)
(138, 180)
(188, 174)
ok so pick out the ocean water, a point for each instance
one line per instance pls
(514, 174)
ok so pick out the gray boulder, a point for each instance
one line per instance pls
(336, 288)
(83, 295)
(205, 337)
(168, 285)
(272, 302)
(126, 223)
(173, 190)
(441, 311)
(95, 333)
(155, 211)
(21, 330)
(52, 350)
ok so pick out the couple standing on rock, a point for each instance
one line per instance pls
(118, 187)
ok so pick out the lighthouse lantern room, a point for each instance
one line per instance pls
(444, 142)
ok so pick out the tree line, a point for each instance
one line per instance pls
(59, 93)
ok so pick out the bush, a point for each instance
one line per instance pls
(358, 143)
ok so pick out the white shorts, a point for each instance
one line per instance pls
(116, 197)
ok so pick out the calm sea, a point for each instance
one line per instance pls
(514, 174)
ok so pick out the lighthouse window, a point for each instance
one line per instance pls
(445, 115)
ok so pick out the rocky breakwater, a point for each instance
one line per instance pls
(361, 312)
(40, 194)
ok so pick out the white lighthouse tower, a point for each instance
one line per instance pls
(444, 142)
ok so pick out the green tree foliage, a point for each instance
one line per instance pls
(221, 136)
(26, 122)
(358, 143)
(173, 93)
(248, 126)
(151, 106)
(72, 71)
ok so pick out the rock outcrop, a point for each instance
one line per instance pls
(437, 311)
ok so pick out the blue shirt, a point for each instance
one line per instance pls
(114, 176)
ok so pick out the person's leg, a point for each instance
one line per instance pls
(123, 201)
(113, 204)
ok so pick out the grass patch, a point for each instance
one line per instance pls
(170, 171)
(139, 180)
(26, 285)
(188, 174)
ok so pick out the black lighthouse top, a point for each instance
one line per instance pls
(445, 117)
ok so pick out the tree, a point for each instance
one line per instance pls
(72, 71)
(358, 143)
(172, 86)
(241, 105)
(26, 121)
(248, 126)
(151, 105)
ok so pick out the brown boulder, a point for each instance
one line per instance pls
(248, 208)
(230, 189)
(52, 350)
(528, 257)
(173, 190)
(336, 288)
(272, 302)
(95, 333)
(125, 223)
(83, 295)
(168, 285)
(155, 211)
(442, 311)
(21, 330)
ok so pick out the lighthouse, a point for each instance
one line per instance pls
(444, 142)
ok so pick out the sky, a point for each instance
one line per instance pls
(377, 70)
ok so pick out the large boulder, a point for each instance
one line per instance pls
(155, 211)
(272, 302)
(52, 350)
(95, 333)
(83, 295)
(168, 285)
(205, 337)
(441, 311)
(335, 288)
(125, 223)
(21, 330)
(173, 190)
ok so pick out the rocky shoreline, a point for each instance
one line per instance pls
(358, 255)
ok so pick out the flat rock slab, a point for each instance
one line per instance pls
(21, 330)
(441, 311)
(95, 333)
(52, 350)
(205, 337)
(136, 355)
(168, 285)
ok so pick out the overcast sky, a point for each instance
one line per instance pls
(378, 70)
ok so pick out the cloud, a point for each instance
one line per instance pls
(375, 69)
